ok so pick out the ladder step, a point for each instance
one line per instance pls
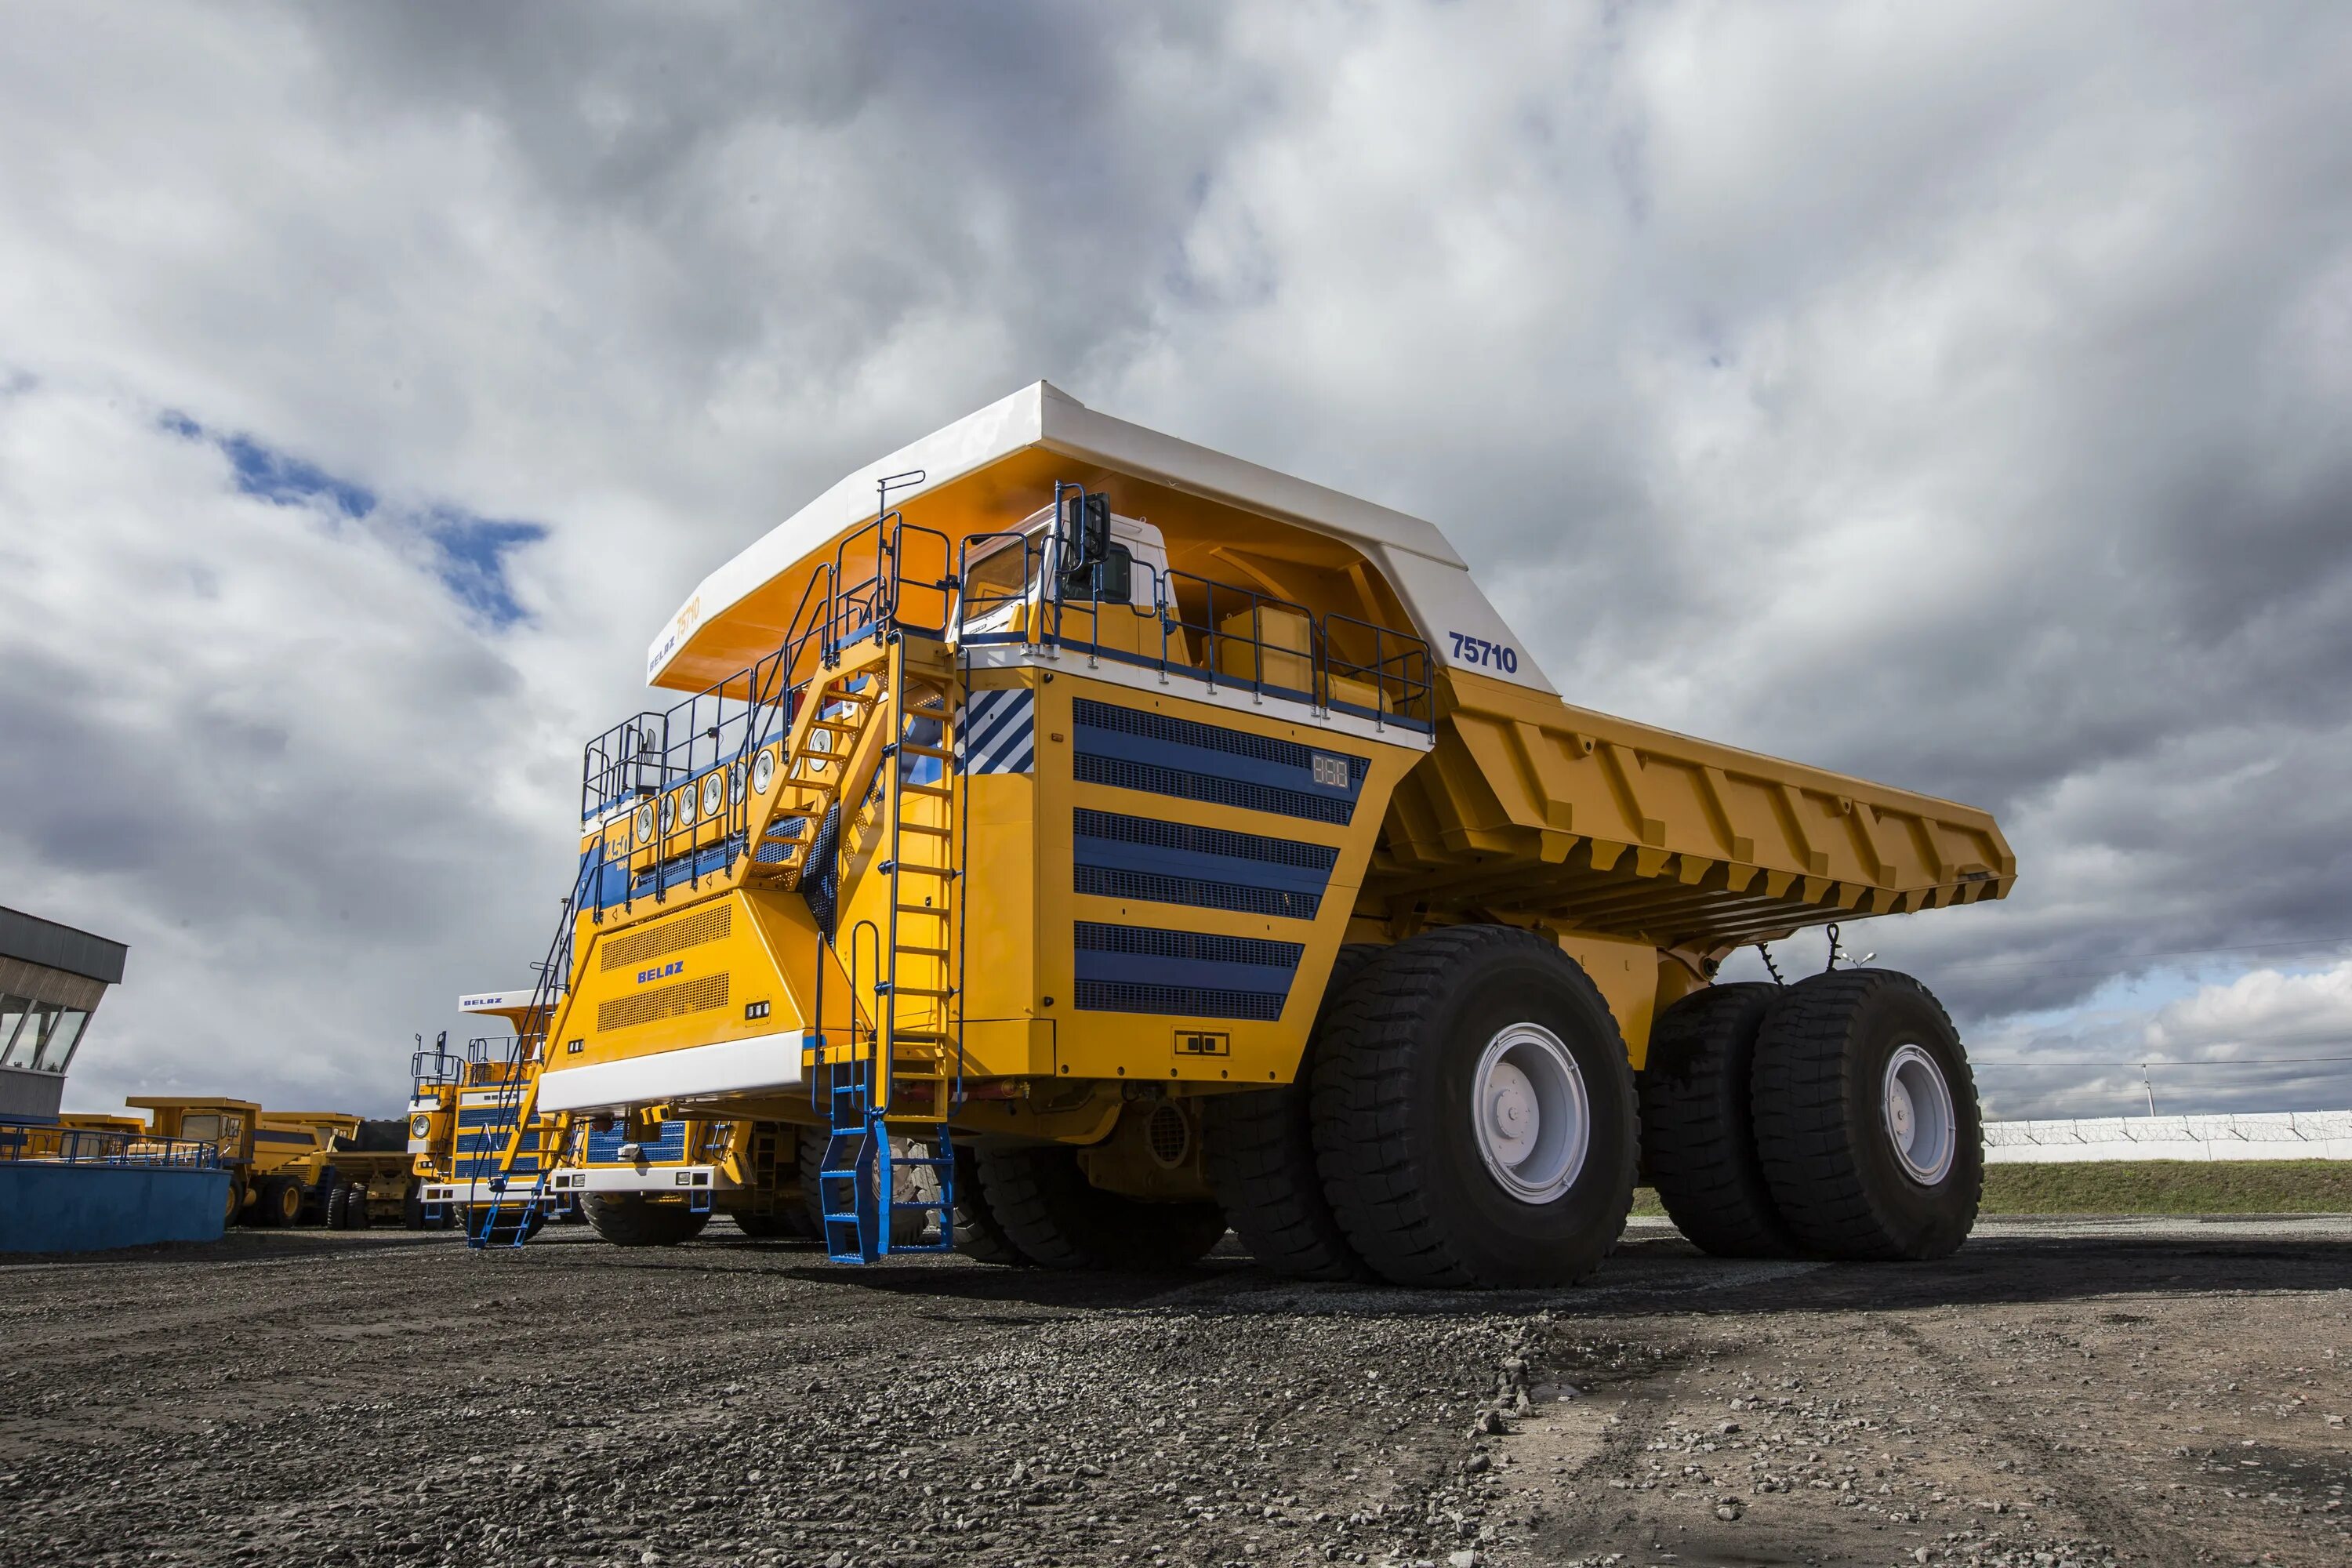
(934, 791)
(897, 989)
(926, 828)
(920, 909)
(905, 949)
(942, 752)
(946, 872)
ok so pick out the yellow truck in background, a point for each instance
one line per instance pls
(1162, 844)
(286, 1168)
(642, 1178)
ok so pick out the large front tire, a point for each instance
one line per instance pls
(1698, 1136)
(1257, 1150)
(1473, 1111)
(1866, 1118)
(1058, 1219)
(628, 1220)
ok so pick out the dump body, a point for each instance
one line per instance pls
(1069, 766)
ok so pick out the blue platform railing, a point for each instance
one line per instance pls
(48, 1143)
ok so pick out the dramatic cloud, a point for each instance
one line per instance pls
(1962, 398)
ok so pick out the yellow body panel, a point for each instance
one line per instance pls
(689, 976)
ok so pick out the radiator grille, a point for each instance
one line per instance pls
(1089, 768)
(1178, 1001)
(1093, 936)
(663, 1002)
(672, 936)
(1215, 738)
(1194, 840)
(1153, 888)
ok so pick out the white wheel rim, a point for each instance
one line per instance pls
(1918, 1107)
(1530, 1112)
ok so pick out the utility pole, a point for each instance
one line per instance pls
(2149, 1087)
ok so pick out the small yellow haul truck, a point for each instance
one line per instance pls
(286, 1167)
(1158, 844)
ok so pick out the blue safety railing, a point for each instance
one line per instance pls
(25, 1142)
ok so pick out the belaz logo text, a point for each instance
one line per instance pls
(672, 967)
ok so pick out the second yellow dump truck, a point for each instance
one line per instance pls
(1162, 843)
(286, 1167)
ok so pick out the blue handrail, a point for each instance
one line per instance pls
(27, 1141)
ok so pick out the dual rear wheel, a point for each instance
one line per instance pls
(1835, 1118)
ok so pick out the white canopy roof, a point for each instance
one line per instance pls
(1447, 606)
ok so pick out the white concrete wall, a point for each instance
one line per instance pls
(2285, 1135)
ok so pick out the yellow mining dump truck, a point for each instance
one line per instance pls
(640, 1177)
(1163, 844)
(284, 1166)
(471, 1130)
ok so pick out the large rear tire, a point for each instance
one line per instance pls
(1698, 1133)
(1060, 1220)
(910, 1184)
(768, 1226)
(1258, 1152)
(279, 1203)
(1475, 1121)
(979, 1234)
(497, 1225)
(625, 1219)
(1866, 1118)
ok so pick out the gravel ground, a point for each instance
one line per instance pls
(2063, 1392)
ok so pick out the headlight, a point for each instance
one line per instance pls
(763, 770)
(714, 793)
(669, 814)
(645, 824)
(735, 783)
(420, 1127)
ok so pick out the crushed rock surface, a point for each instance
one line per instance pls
(2058, 1393)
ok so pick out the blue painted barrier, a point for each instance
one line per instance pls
(60, 1207)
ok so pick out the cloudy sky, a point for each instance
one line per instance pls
(1961, 395)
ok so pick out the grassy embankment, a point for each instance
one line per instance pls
(2154, 1186)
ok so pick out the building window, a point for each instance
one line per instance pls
(14, 1011)
(64, 1034)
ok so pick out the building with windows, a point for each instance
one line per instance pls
(51, 979)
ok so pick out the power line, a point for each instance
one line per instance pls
(2160, 1062)
(2135, 957)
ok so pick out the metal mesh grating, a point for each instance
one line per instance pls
(1093, 936)
(1181, 835)
(1178, 1001)
(1089, 768)
(670, 936)
(1213, 737)
(1152, 887)
(663, 1002)
(1168, 1135)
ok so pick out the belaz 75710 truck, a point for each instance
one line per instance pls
(1162, 843)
